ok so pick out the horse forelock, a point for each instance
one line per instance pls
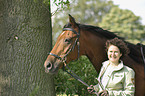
(68, 25)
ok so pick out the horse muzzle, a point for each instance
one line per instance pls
(48, 67)
(51, 68)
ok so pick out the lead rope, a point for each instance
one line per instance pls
(75, 76)
(143, 58)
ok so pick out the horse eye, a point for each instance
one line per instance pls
(67, 40)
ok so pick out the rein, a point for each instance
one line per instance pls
(64, 60)
(73, 74)
(76, 77)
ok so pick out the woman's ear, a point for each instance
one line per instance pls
(120, 54)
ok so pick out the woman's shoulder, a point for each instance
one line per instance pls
(105, 63)
(128, 69)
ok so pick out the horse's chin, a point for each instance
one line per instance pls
(52, 72)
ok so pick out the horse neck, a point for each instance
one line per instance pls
(94, 48)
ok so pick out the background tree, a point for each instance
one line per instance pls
(25, 39)
(125, 23)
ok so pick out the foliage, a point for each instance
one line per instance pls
(124, 23)
(60, 4)
(65, 84)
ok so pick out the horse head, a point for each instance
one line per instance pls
(65, 49)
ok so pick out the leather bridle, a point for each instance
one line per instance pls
(72, 47)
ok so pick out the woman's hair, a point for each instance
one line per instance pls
(124, 50)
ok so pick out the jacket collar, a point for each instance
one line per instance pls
(117, 68)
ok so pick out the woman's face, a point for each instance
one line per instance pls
(114, 54)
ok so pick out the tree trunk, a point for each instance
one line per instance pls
(25, 40)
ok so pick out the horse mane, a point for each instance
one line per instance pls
(135, 50)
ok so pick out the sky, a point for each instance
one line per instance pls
(136, 6)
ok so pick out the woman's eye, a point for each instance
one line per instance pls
(116, 52)
(67, 40)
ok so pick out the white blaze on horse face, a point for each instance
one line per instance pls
(62, 33)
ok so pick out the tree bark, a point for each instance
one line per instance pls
(25, 40)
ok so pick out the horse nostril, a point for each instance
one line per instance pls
(49, 66)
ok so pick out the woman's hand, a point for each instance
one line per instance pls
(91, 89)
(103, 93)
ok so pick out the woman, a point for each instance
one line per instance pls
(116, 79)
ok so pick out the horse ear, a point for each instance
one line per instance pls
(72, 21)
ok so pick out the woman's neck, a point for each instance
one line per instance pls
(114, 63)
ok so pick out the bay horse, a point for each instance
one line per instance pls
(80, 39)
